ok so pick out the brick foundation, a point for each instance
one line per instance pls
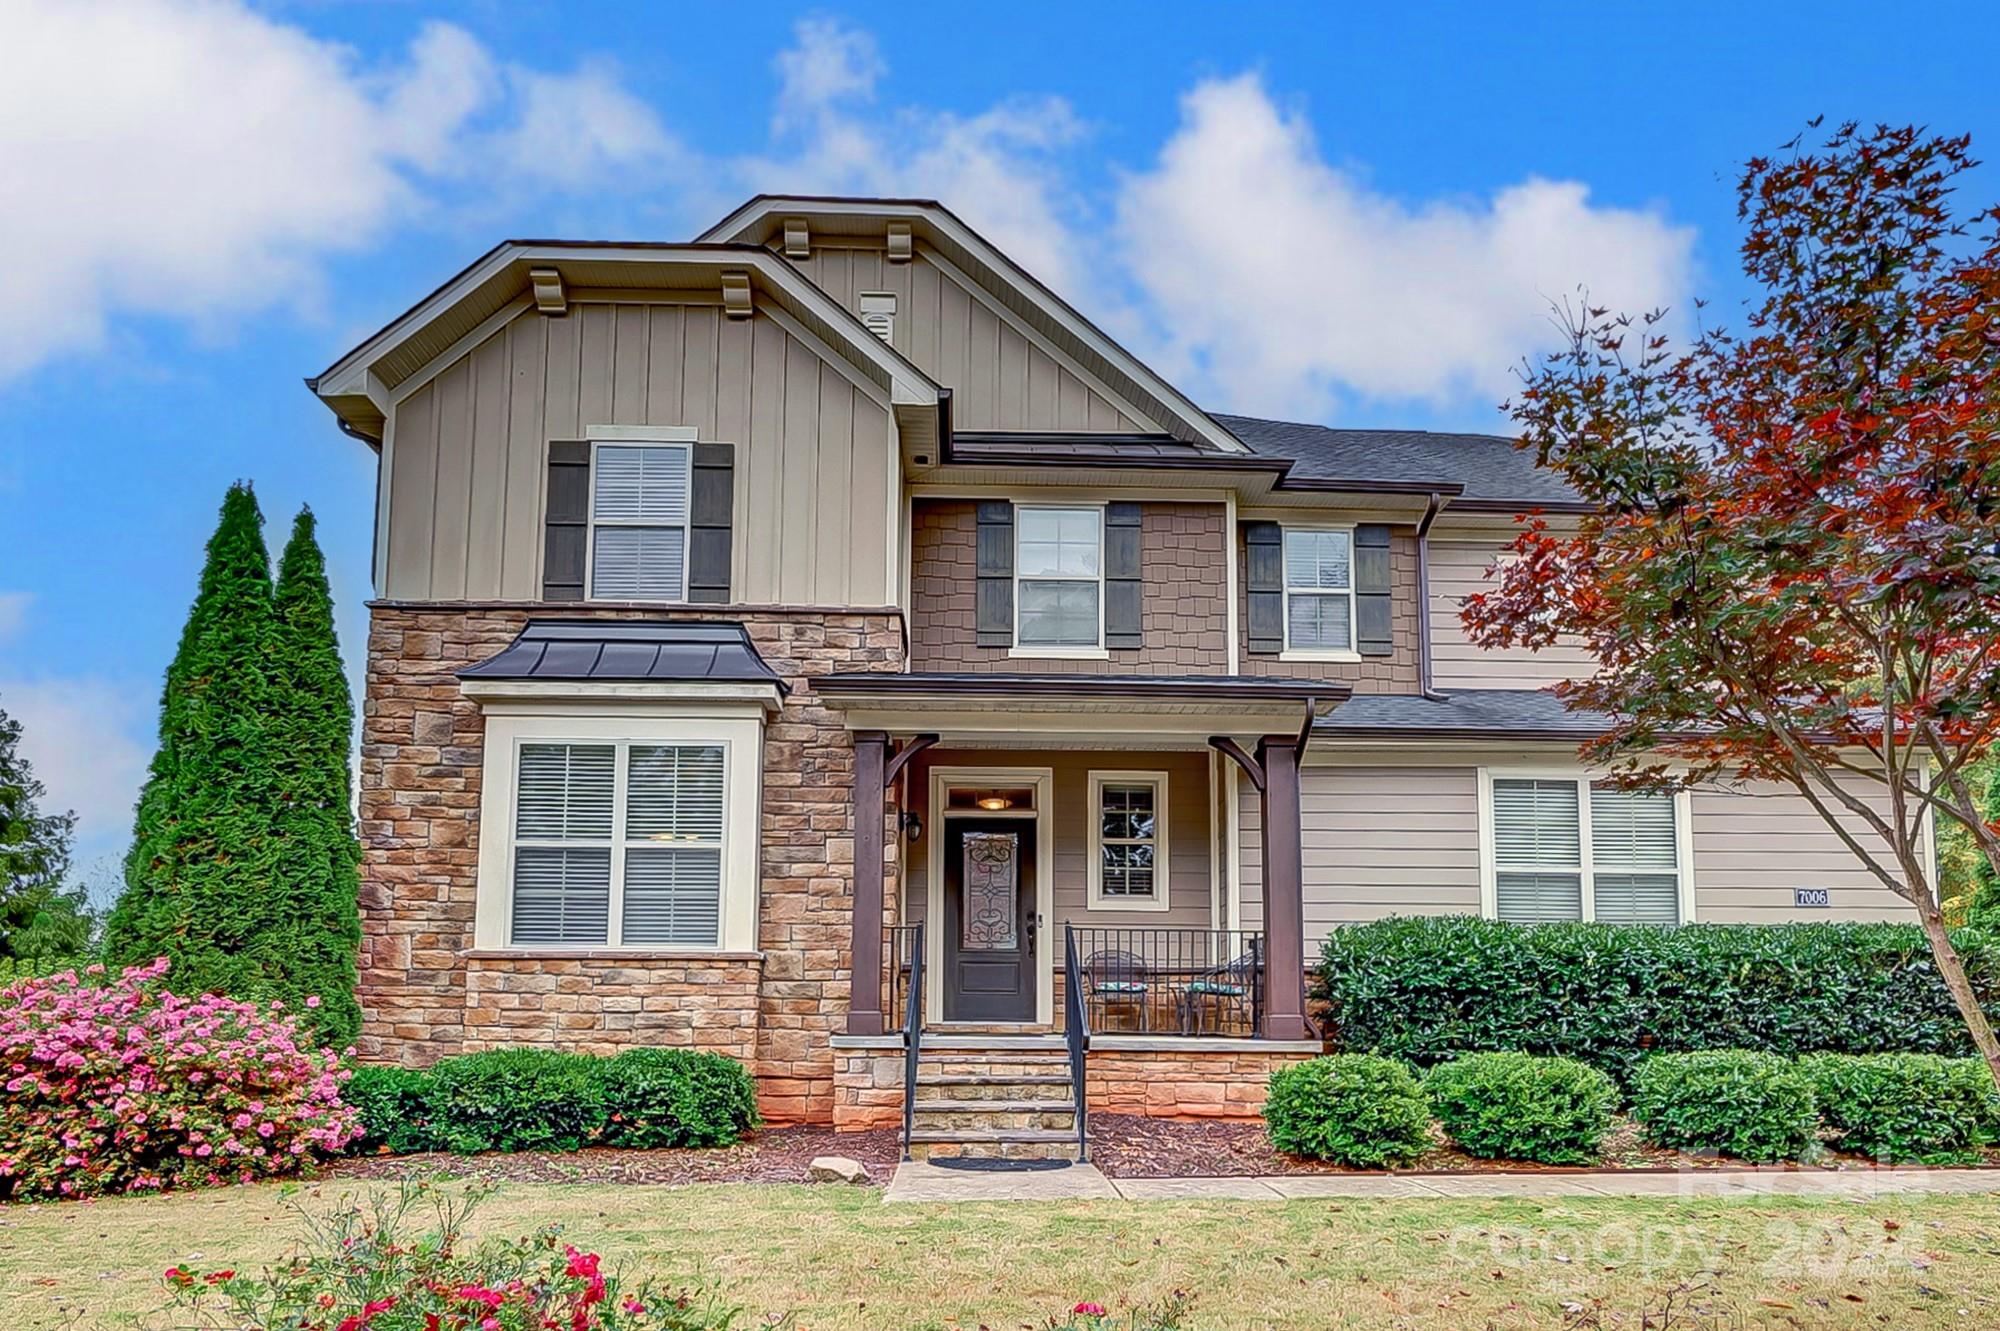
(426, 994)
(867, 1089)
(1183, 1084)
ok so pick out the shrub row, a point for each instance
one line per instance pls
(547, 1100)
(1427, 989)
(1370, 1111)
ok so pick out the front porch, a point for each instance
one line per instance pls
(1065, 853)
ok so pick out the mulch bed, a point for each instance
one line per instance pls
(774, 1155)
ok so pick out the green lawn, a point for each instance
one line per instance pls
(836, 1257)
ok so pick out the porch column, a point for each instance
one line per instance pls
(864, 999)
(1284, 901)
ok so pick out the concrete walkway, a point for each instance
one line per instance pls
(921, 1182)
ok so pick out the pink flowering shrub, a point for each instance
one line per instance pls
(120, 1086)
(362, 1268)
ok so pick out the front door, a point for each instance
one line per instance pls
(989, 919)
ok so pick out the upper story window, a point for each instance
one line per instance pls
(1565, 848)
(1319, 589)
(639, 521)
(1059, 577)
(617, 845)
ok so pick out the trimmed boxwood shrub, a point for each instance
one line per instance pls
(1904, 1107)
(676, 1097)
(394, 1116)
(516, 1100)
(1736, 1102)
(1428, 989)
(1555, 1111)
(1353, 1109)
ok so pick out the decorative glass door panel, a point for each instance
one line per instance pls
(992, 892)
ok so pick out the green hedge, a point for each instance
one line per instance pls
(1353, 1109)
(547, 1100)
(1901, 1108)
(1555, 1111)
(1735, 1102)
(1429, 989)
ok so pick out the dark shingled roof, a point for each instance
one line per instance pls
(656, 651)
(1472, 714)
(1490, 467)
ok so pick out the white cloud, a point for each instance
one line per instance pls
(196, 159)
(1002, 169)
(83, 739)
(14, 612)
(1287, 283)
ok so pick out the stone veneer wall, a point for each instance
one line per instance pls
(1184, 600)
(425, 993)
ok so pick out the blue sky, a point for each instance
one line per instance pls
(1354, 214)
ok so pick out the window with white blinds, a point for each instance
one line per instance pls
(618, 845)
(639, 521)
(1568, 849)
(1319, 590)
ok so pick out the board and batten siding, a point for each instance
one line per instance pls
(1188, 850)
(1376, 841)
(817, 487)
(1458, 569)
(1001, 377)
(1398, 839)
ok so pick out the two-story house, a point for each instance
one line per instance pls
(774, 624)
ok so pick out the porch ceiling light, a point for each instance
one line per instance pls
(995, 802)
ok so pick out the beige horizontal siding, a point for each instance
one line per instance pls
(816, 495)
(1188, 850)
(1753, 845)
(1376, 841)
(1404, 840)
(1458, 569)
(1001, 379)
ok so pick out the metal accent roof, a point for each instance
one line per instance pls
(1193, 688)
(1474, 714)
(1490, 468)
(658, 651)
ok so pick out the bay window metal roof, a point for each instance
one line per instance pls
(658, 651)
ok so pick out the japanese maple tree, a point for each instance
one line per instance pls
(1792, 569)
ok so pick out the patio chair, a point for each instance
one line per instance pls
(1116, 981)
(1228, 993)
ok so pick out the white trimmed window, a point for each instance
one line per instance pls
(639, 521)
(633, 831)
(1566, 848)
(1128, 840)
(617, 845)
(1319, 589)
(1059, 578)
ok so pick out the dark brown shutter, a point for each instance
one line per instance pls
(711, 507)
(1264, 579)
(566, 521)
(1373, 633)
(1123, 578)
(996, 573)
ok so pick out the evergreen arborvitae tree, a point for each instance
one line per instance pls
(43, 924)
(312, 729)
(199, 878)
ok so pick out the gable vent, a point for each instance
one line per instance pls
(878, 313)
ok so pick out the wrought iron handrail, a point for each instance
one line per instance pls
(913, 1033)
(1076, 1031)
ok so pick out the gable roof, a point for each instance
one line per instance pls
(1492, 472)
(494, 287)
(760, 219)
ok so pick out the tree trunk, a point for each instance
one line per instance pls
(1953, 970)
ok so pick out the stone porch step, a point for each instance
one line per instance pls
(1005, 1143)
(996, 1106)
(995, 1079)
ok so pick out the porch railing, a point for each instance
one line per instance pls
(1168, 981)
(900, 945)
(913, 1034)
(1076, 1033)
